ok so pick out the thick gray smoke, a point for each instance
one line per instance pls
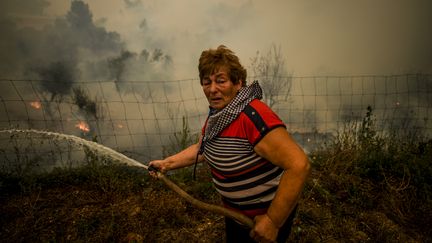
(123, 43)
(71, 48)
(66, 54)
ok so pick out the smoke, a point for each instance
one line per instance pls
(67, 53)
(147, 66)
(36, 7)
(133, 3)
(63, 42)
(72, 42)
(318, 38)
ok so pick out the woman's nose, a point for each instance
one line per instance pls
(213, 87)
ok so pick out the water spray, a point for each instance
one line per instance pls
(123, 159)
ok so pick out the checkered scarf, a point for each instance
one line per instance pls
(218, 121)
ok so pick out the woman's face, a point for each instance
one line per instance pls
(219, 89)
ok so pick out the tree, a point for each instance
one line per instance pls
(271, 72)
(79, 15)
(58, 77)
(117, 65)
(82, 99)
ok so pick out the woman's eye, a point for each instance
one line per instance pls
(220, 80)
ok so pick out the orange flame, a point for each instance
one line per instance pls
(119, 125)
(36, 104)
(83, 126)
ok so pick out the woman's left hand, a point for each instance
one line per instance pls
(264, 229)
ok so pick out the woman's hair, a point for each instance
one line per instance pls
(212, 60)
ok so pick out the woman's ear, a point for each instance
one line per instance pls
(239, 85)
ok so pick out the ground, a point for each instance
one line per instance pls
(115, 204)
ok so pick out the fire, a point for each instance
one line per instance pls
(119, 125)
(83, 126)
(36, 104)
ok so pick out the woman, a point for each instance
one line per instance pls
(256, 166)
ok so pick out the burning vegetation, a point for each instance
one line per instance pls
(36, 104)
(83, 126)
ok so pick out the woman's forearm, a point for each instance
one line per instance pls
(288, 193)
(184, 158)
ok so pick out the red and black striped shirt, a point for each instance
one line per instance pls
(246, 181)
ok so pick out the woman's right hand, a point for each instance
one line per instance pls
(160, 165)
(181, 159)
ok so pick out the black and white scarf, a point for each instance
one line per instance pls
(219, 120)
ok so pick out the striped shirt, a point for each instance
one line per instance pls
(246, 181)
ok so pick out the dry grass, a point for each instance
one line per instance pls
(120, 204)
(85, 210)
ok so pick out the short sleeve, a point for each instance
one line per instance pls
(261, 120)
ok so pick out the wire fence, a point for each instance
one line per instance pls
(149, 119)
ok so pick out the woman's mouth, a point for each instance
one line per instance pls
(216, 99)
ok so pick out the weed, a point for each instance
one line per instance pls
(383, 174)
(180, 140)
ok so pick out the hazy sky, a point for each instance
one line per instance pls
(333, 37)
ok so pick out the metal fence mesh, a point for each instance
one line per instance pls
(148, 119)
